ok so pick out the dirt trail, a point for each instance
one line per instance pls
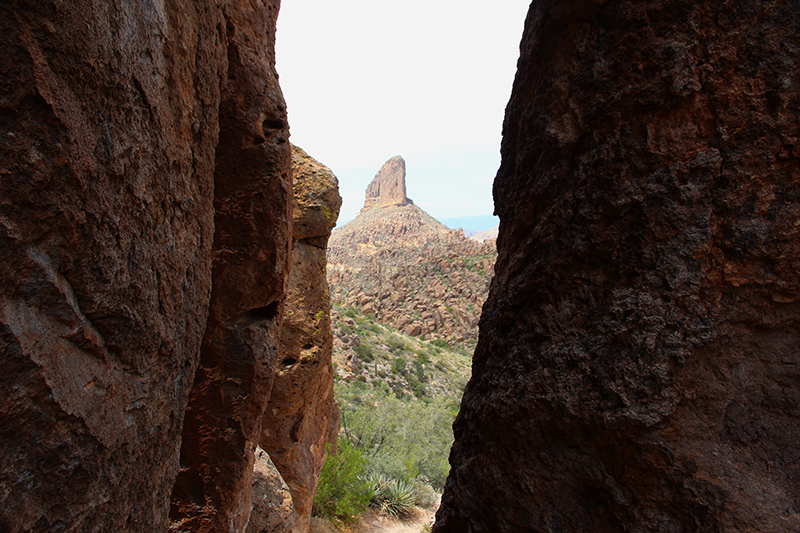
(372, 522)
(375, 523)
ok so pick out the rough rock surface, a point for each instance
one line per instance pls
(106, 227)
(388, 187)
(130, 130)
(302, 416)
(638, 367)
(411, 272)
(272, 509)
(252, 240)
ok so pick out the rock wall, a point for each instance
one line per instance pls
(106, 230)
(638, 365)
(144, 200)
(252, 239)
(302, 416)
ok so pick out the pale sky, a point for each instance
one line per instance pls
(365, 80)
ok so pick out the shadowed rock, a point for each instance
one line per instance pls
(252, 240)
(638, 362)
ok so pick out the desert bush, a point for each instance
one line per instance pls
(393, 497)
(342, 493)
(364, 353)
(400, 439)
(399, 365)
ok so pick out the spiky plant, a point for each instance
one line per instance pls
(392, 497)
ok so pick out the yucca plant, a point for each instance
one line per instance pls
(392, 497)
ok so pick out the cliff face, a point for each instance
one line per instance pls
(252, 196)
(144, 200)
(302, 416)
(388, 187)
(637, 368)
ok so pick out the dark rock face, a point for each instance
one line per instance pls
(388, 187)
(252, 240)
(106, 180)
(638, 367)
(144, 152)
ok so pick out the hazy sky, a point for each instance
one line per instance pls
(366, 80)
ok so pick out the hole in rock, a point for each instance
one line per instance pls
(254, 316)
(308, 346)
(272, 124)
(288, 362)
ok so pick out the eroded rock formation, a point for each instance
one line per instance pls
(252, 196)
(388, 187)
(412, 272)
(302, 416)
(144, 200)
(638, 367)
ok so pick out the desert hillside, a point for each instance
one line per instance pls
(399, 264)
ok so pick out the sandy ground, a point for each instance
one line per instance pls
(372, 522)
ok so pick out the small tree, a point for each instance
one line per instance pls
(342, 493)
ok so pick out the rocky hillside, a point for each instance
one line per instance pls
(396, 262)
(639, 361)
(377, 355)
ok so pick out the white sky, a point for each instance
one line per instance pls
(365, 80)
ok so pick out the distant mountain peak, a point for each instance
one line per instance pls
(388, 187)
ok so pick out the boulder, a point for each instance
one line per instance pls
(272, 510)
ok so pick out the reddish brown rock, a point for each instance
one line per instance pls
(272, 509)
(115, 171)
(388, 187)
(252, 196)
(302, 416)
(108, 119)
(403, 251)
(638, 365)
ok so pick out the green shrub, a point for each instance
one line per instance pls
(424, 495)
(396, 344)
(364, 353)
(392, 497)
(342, 494)
(399, 366)
(440, 343)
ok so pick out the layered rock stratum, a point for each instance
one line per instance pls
(410, 271)
(638, 365)
(145, 238)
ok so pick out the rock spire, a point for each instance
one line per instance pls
(388, 187)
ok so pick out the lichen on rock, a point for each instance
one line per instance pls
(302, 416)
